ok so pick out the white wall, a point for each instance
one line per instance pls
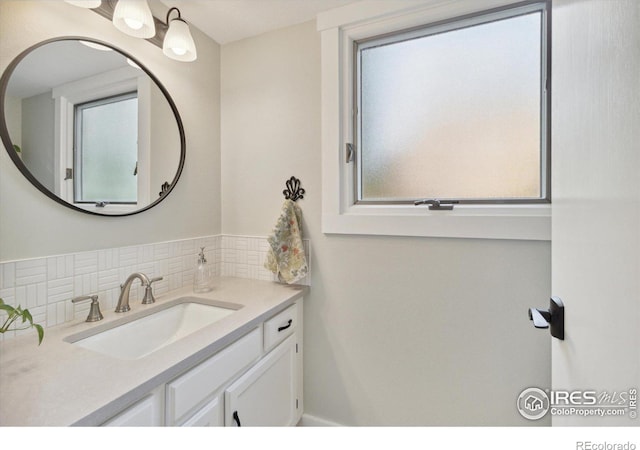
(33, 225)
(13, 116)
(164, 142)
(38, 142)
(398, 331)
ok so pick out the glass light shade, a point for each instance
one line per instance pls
(85, 3)
(178, 43)
(95, 46)
(134, 18)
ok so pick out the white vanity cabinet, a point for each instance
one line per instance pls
(256, 380)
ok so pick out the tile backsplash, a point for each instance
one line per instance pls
(46, 285)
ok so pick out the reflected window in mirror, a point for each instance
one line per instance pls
(106, 150)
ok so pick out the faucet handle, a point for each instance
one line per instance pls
(148, 291)
(94, 310)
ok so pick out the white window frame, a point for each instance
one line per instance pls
(108, 84)
(339, 29)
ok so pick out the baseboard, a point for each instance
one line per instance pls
(308, 420)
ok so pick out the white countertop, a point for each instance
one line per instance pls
(59, 384)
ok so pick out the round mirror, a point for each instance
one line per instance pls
(91, 127)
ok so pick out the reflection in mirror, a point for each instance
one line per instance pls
(90, 127)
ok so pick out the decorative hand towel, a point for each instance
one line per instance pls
(286, 256)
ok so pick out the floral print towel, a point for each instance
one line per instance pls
(286, 256)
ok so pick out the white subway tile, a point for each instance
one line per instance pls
(52, 315)
(108, 279)
(147, 268)
(47, 285)
(109, 298)
(175, 265)
(85, 263)
(161, 251)
(240, 243)
(31, 271)
(174, 249)
(86, 284)
(60, 290)
(20, 298)
(253, 258)
(128, 256)
(175, 281)
(161, 287)
(7, 275)
(227, 242)
(63, 312)
(108, 259)
(145, 254)
(188, 247)
(59, 267)
(41, 294)
(161, 268)
(229, 255)
(253, 244)
(8, 295)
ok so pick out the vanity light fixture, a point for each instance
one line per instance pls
(178, 43)
(133, 17)
(85, 3)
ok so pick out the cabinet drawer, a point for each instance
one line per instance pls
(280, 327)
(187, 391)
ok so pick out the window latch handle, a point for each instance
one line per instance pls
(434, 204)
(351, 152)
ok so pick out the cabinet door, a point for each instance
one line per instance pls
(266, 394)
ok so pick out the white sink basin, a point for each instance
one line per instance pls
(135, 337)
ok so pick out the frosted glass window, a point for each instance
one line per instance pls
(106, 153)
(455, 111)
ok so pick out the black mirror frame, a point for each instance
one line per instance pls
(6, 139)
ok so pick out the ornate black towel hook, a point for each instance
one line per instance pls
(293, 190)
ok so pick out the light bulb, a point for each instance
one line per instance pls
(134, 18)
(133, 23)
(178, 43)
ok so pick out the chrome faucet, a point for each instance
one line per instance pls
(123, 301)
